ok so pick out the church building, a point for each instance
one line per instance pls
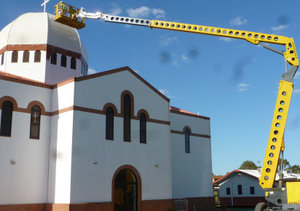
(109, 141)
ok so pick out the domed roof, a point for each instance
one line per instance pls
(40, 28)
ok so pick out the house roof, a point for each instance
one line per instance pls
(187, 113)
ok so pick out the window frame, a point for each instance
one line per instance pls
(187, 139)
(6, 118)
(35, 125)
(63, 60)
(143, 128)
(228, 191)
(252, 190)
(109, 125)
(37, 56)
(53, 58)
(26, 56)
(73, 63)
(127, 117)
(240, 189)
(14, 57)
(2, 58)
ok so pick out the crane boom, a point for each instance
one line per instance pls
(74, 17)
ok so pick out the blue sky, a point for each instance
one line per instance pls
(231, 81)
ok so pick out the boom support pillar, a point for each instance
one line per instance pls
(275, 141)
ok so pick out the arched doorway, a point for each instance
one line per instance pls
(125, 191)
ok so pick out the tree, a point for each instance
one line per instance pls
(248, 165)
(295, 168)
(285, 163)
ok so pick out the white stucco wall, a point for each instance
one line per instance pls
(61, 144)
(109, 89)
(32, 70)
(73, 162)
(55, 73)
(24, 161)
(191, 172)
(91, 182)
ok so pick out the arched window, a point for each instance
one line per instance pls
(37, 56)
(53, 58)
(143, 128)
(187, 134)
(26, 56)
(35, 122)
(14, 57)
(6, 118)
(63, 61)
(127, 116)
(2, 59)
(110, 123)
(73, 63)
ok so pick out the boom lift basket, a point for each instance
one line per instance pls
(68, 15)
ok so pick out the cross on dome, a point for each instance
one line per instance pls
(44, 4)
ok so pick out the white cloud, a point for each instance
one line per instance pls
(141, 12)
(158, 13)
(242, 87)
(91, 71)
(167, 40)
(116, 10)
(144, 12)
(185, 58)
(226, 39)
(237, 21)
(279, 27)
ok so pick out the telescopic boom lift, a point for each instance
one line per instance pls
(282, 196)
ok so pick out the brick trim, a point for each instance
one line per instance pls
(70, 108)
(41, 47)
(17, 79)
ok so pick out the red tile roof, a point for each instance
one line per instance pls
(188, 113)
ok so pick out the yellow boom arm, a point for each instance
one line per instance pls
(73, 17)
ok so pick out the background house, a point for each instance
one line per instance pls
(240, 188)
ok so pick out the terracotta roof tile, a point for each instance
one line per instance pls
(188, 113)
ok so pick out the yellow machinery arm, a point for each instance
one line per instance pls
(290, 54)
(73, 17)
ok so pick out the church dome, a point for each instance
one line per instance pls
(61, 54)
(40, 28)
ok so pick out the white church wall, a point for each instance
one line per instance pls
(63, 96)
(108, 89)
(191, 172)
(56, 73)
(63, 158)
(95, 159)
(61, 146)
(31, 69)
(24, 161)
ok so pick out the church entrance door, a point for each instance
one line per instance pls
(125, 193)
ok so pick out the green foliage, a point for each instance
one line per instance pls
(286, 163)
(248, 165)
(295, 168)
